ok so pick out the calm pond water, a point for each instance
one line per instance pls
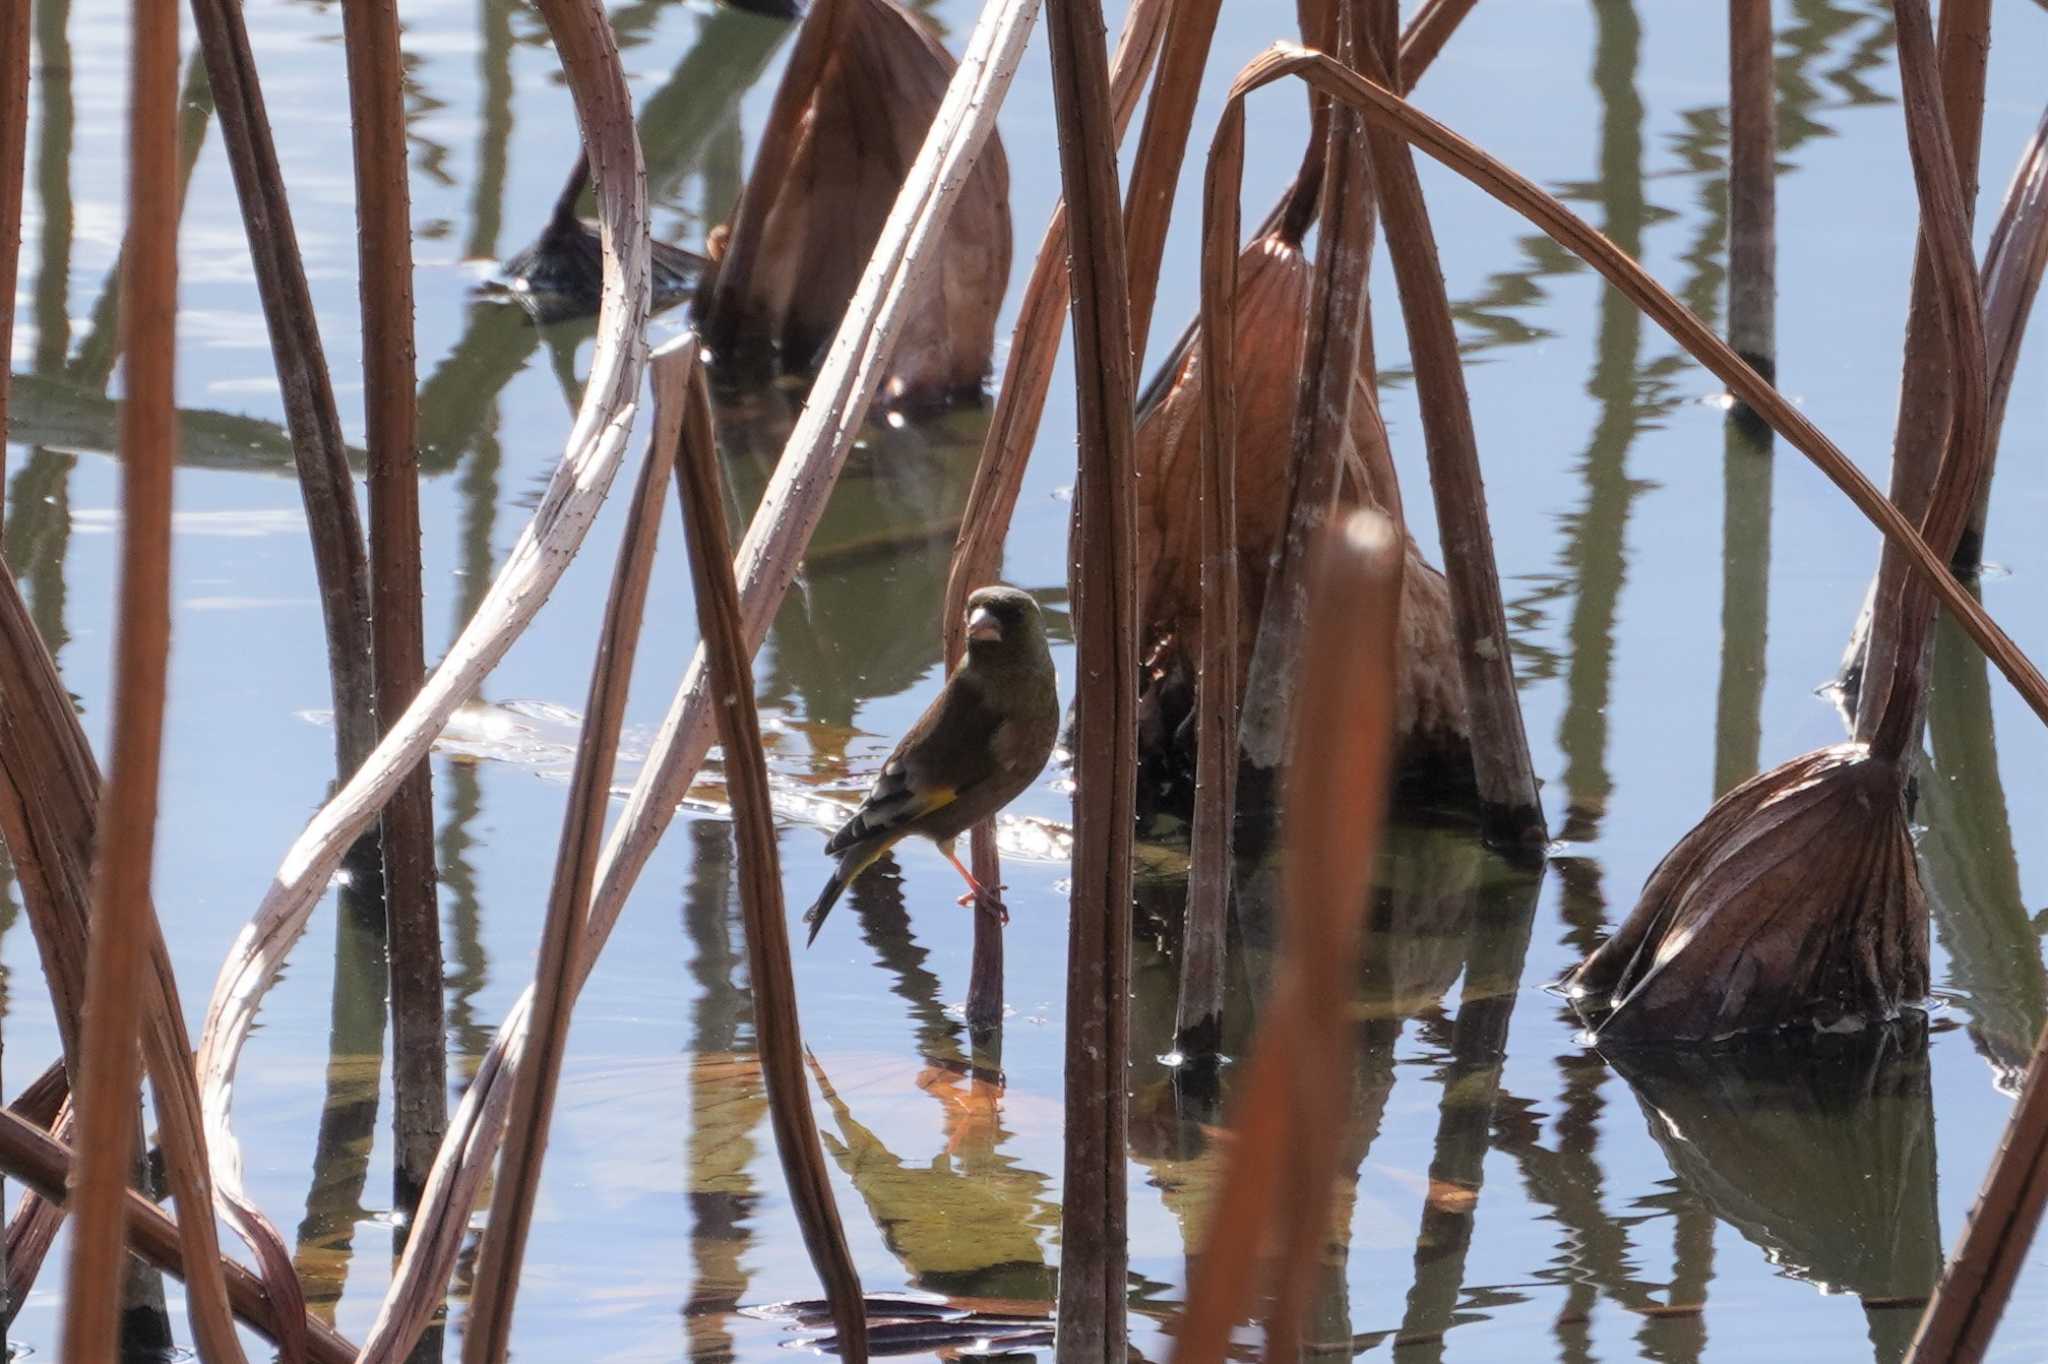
(1676, 601)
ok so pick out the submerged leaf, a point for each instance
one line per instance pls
(1796, 900)
(858, 97)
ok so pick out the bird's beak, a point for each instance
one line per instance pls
(982, 624)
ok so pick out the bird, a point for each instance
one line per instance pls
(981, 742)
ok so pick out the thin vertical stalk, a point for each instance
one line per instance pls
(1428, 30)
(319, 449)
(1102, 581)
(1752, 185)
(1147, 207)
(1500, 746)
(122, 920)
(487, 1336)
(1005, 452)
(14, 53)
(1291, 1105)
(1337, 303)
(679, 388)
(419, 1061)
(1198, 1017)
(1162, 146)
(1962, 48)
(2013, 263)
(1944, 475)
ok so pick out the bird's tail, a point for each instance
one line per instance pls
(835, 884)
(852, 863)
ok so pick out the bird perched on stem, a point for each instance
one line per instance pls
(976, 747)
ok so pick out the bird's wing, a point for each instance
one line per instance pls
(948, 751)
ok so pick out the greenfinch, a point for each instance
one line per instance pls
(980, 743)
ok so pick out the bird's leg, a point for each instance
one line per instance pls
(977, 894)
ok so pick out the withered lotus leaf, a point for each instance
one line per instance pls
(859, 95)
(1796, 900)
(1273, 281)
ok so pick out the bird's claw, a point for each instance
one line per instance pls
(989, 904)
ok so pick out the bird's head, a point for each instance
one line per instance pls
(1003, 623)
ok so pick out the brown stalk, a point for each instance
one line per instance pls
(1891, 661)
(1162, 146)
(1979, 1278)
(1894, 691)
(123, 923)
(1573, 233)
(2013, 263)
(1330, 360)
(1006, 450)
(1198, 1007)
(1102, 584)
(326, 485)
(45, 1165)
(1752, 185)
(419, 1061)
(781, 528)
(452, 1191)
(1428, 30)
(43, 1097)
(1500, 747)
(14, 53)
(487, 1334)
(1289, 1120)
(680, 390)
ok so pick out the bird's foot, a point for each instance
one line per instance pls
(989, 902)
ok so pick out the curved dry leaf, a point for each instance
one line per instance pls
(858, 98)
(1272, 311)
(1273, 275)
(1797, 898)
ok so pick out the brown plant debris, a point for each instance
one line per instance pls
(1273, 276)
(1797, 896)
(855, 103)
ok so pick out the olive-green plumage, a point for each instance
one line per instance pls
(979, 744)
